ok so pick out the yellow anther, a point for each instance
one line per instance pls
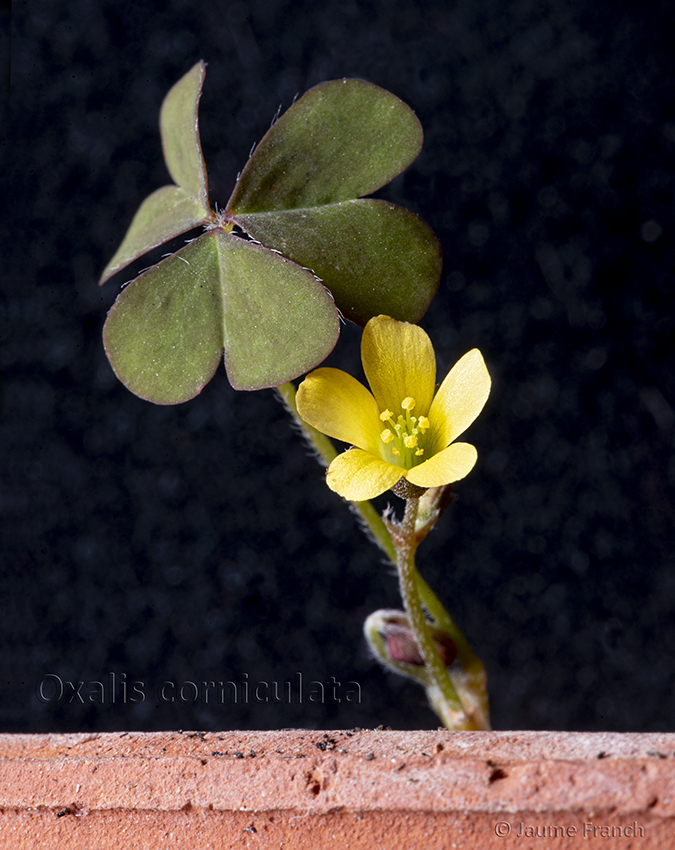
(408, 403)
(419, 452)
(386, 436)
(410, 442)
(385, 415)
(396, 452)
(423, 423)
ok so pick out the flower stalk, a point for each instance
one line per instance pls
(457, 694)
(445, 700)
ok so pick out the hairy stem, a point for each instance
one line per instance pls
(442, 693)
(369, 517)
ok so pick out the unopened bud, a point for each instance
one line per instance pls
(431, 506)
(401, 644)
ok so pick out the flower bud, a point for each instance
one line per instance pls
(401, 644)
(431, 507)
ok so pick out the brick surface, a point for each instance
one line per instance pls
(354, 788)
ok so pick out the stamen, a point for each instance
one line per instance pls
(402, 435)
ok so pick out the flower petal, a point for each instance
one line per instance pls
(358, 475)
(399, 362)
(447, 466)
(338, 405)
(460, 399)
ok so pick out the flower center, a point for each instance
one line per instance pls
(403, 434)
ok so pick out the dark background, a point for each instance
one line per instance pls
(199, 542)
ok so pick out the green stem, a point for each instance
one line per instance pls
(441, 689)
(318, 441)
(470, 680)
(371, 520)
(465, 655)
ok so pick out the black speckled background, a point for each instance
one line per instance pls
(199, 543)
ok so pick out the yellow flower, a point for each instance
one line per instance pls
(403, 429)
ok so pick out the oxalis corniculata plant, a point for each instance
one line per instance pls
(296, 247)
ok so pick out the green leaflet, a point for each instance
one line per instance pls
(341, 140)
(165, 334)
(375, 257)
(179, 127)
(166, 213)
(172, 210)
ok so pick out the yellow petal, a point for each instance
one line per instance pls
(459, 400)
(358, 475)
(447, 466)
(399, 363)
(338, 405)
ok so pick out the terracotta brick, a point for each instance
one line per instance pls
(339, 789)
